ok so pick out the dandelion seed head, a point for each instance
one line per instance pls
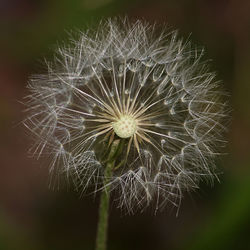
(150, 89)
(125, 127)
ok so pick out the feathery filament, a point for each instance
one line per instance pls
(126, 81)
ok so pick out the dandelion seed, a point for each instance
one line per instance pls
(151, 90)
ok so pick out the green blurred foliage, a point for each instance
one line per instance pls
(227, 226)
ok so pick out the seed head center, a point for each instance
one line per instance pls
(125, 127)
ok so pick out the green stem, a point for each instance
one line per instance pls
(101, 237)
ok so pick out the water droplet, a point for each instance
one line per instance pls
(163, 141)
(171, 111)
(148, 62)
(158, 72)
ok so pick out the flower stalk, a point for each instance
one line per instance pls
(102, 229)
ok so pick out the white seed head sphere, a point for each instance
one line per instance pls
(144, 86)
(125, 127)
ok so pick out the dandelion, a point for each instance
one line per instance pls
(129, 110)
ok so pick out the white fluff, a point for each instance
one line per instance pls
(129, 68)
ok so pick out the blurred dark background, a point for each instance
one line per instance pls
(34, 217)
